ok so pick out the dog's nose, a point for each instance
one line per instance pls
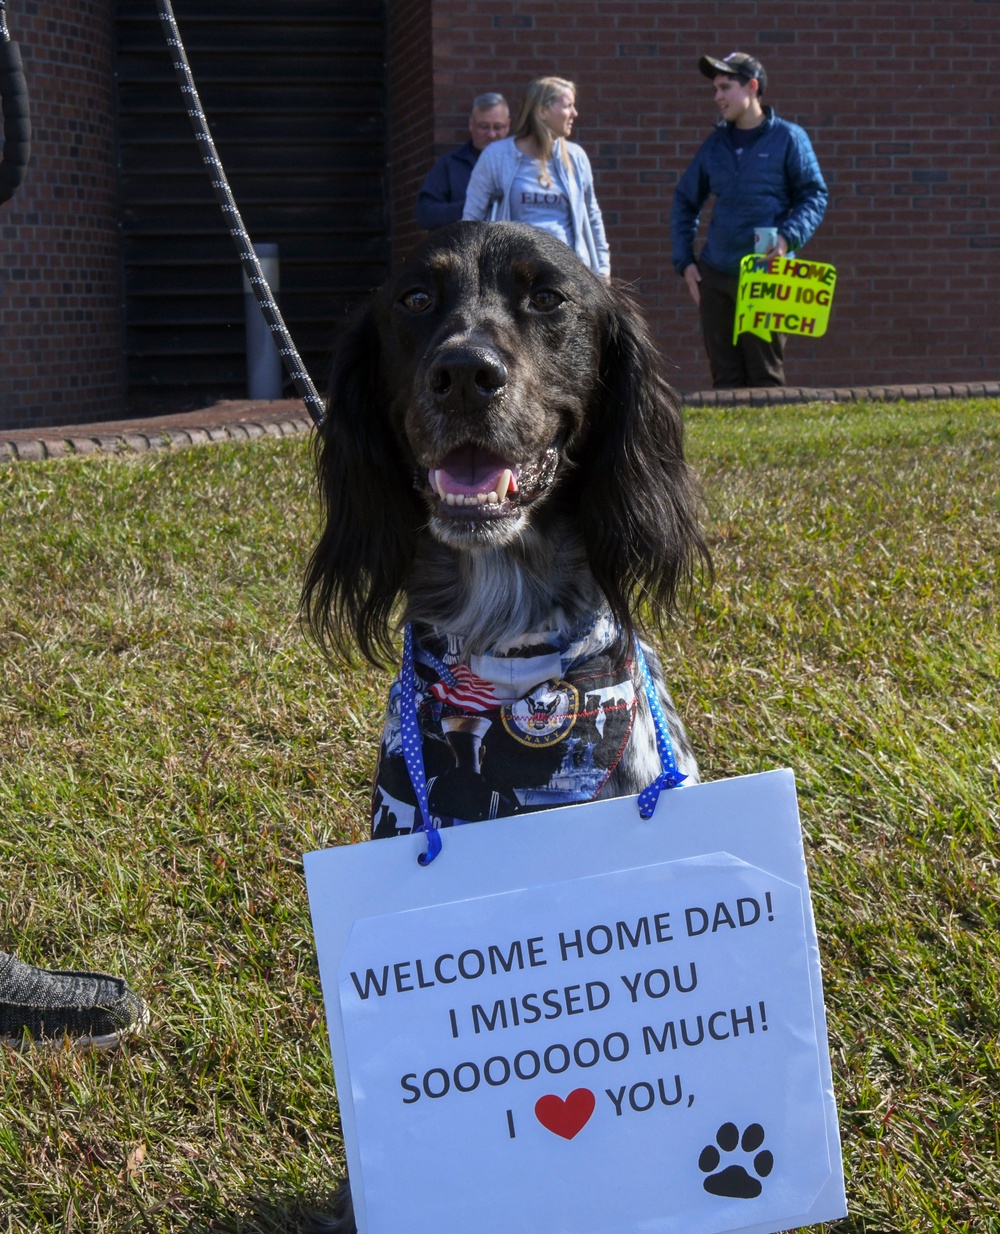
(466, 376)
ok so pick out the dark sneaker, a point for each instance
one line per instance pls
(38, 1004)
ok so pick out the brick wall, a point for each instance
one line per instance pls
(60, 300)
(897, 100)
(411, 113)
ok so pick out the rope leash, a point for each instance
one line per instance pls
(16, 119)
(224, 195)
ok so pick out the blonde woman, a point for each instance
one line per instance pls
(538, 176)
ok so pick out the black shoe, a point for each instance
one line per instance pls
(38, 1004)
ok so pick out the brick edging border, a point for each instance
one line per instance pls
(61, 443)
(771, 396)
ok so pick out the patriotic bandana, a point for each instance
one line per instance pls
(540, 722)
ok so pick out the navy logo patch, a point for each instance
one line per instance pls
(544, 716)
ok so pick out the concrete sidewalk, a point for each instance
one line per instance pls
(241, 420)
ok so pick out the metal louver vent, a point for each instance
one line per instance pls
(295, 97)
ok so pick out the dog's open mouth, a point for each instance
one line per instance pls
(473, 482)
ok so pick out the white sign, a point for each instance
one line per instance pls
(580, 1022)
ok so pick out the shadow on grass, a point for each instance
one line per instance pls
(318, 1215)
(271, 1214)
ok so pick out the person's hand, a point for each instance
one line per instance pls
(693, 278)
(778, 249)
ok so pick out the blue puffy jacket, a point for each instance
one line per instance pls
(776, 182)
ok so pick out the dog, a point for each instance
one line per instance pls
(502, 464)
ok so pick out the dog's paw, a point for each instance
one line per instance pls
(736, 1181)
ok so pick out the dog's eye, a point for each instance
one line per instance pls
(416, 301)
(545, 299)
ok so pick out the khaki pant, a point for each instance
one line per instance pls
(750, 361)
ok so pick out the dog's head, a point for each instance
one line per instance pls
(491, 389)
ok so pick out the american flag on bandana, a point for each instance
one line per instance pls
(466, 691)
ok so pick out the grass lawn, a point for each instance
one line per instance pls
(171, 743)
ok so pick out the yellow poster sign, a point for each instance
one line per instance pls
(787, 294)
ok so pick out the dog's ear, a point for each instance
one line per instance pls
(641, 502)
(357, 569)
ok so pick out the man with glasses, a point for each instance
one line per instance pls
(442, 198)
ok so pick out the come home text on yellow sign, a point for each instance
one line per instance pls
(786, 294)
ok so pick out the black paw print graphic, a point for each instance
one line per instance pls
(735, 1181)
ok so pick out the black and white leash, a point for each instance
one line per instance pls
(224, 195)
(16, 120)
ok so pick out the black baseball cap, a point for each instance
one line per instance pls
(736, 64)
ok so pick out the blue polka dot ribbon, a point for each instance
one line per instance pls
(439, 666)
(413, 748)
(670, 776)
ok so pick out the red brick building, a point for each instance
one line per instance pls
(61, 348)
(895, 97)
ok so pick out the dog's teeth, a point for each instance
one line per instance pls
(492, 498)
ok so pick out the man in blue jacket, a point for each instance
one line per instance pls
(763, 174)
(442, 197)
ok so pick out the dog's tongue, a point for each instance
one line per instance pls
(471, 471)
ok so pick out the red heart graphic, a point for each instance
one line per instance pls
(566, 1118)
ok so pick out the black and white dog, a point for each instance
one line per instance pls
(502, 466)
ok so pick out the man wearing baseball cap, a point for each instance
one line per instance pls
(763, 174)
